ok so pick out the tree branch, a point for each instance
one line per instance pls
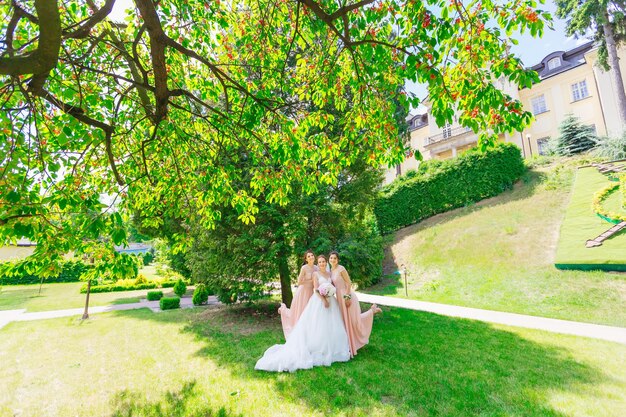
(343, 11)
(157, 53)
(97, 17)
(40, 62)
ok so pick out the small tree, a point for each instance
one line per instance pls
(200, 294)
(180, 288)
(574, 137)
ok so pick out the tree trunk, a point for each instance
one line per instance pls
(611, 48)
(285, 277)
(86, 312)
(40, 284)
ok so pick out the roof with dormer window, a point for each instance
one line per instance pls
(569, 59)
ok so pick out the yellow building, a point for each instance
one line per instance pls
(570, 82)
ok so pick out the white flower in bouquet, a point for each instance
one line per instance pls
(326, 289)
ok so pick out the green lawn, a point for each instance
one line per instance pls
(499, 255)
(200, 363)
(581, 224)
(63, 296)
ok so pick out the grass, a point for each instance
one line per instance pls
(499, 255)
(200, 363)
(65, 295)
(581, 224)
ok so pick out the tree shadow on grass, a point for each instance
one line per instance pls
(416, 364)
(11, 299)
(128, 403)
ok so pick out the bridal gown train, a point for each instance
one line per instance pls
(318, 339)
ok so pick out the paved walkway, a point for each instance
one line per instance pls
(20, 315)
(596, 331)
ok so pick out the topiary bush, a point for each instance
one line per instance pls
(440, 186)
(169, 303)
(180, 288)
(200, 294)
(154, 295)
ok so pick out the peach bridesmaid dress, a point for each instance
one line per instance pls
(290, 316)
(358, 325)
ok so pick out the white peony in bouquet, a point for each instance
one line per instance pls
(326, 289)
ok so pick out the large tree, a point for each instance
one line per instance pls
(238, 260)
(605, 20)
(154, 112)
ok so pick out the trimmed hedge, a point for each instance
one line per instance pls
(118, 287)
(70, 272)
(154, 295)
(168, 284)
(121, 286)
(169, 303)
(439, 186)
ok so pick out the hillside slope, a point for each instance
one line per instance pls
(499, 255)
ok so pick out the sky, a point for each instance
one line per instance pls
(530, 50)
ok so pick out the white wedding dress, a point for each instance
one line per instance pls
(318, 339)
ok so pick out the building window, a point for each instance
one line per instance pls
(542, 145)
(579, 90)
(539, 105)
(447, 130)
(554, 63)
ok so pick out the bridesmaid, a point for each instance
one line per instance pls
(289, 316)
(358, 325)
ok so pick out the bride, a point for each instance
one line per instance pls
(319, 337)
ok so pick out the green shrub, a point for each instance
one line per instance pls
(118, 287)
(141, 279)
(180, 288)
(169, 303)
(154, 295)
(200, 294)
(148, 257)
(167, 284)
(612, 147)
(361, 251)
(70, 272)
(440, 186)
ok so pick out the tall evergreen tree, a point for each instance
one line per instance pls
(574, 137)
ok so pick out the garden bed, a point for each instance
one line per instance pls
(581, 224)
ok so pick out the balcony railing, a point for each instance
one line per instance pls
(447, 134)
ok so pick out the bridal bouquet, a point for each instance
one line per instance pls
(327, 290)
